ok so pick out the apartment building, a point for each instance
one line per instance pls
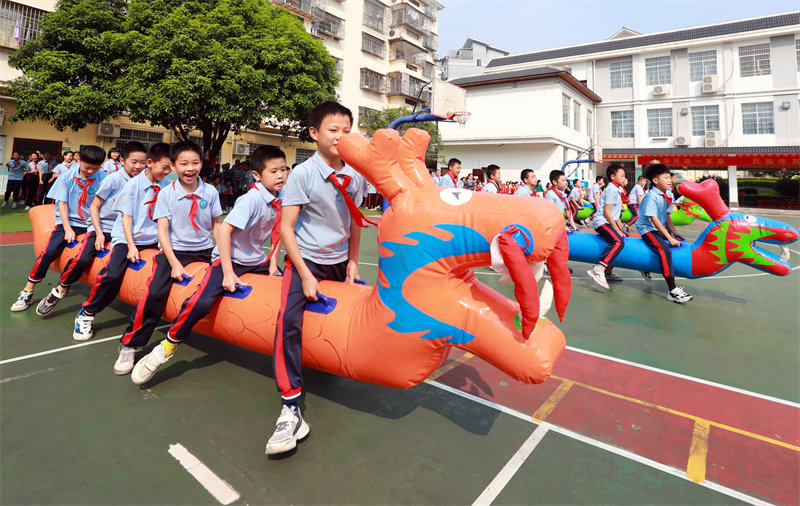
(468, 60)
(715, 96)
(385, 52)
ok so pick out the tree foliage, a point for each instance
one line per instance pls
(210, 65)
(382, 119)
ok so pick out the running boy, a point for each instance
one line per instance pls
(528, 186)
(450, 180)
(608, 226)
(556, 195)
(254, 218)
(103, 216)
(492, 179)
(73, 194)
(187, 213)
(16, 170)
(133, 230)
(653, 229)
(321, 238)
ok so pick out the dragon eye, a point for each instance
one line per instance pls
(454, 196)
(750, 218)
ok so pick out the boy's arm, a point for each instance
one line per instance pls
(63, 211)
(660, 227)
(127, 229)
(229, 278)
(94, 212)
(671, 227)
(166, 246)
(610, 218)
(353, 244)
(288, 221)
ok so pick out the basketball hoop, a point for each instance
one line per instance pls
(461, 117)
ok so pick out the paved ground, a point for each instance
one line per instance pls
(635, 428)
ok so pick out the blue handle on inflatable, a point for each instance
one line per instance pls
(137, 265)
(184, 281)
(73, 243)
(103, 252)
(323, 305)
(241, 292)
(359, 282)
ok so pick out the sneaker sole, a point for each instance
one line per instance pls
(18, 309)
(678, 301)
(81, 337)
(122, 372)
(289, 444)
(136, 375)
(597, 280)
(44, 313)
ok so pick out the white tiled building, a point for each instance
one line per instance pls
(470, 59)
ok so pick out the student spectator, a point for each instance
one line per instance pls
(113, 164)
(493, 182)
(528, 186)
(555, 194)
(16, 170)
(450, 180)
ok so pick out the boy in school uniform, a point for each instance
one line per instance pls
(16, 171)
(595, 191)
(103, 216)
(607, 224)
(574, 196)
(677, 198)
(556, 195)
(133, 230)
(30, 181)
(113, 164)
(652, 225)
(528, 186)
(492, 179)
(45, 166)
(320, 229)
(450, 180)
(73, 195)
(255, 218)
(635, 197)
(187, 213)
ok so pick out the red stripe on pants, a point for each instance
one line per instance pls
(74, 260)
(281, 376)
(617, 246)
(137, 321)
(192, 301)
(661, 253)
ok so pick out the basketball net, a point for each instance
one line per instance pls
(461, 117)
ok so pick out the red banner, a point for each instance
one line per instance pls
(773, 160)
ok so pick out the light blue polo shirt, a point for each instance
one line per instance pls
(174, 204)
(16, 169)
(46, 167)
(323, 226)
(489, 187)
(132, 200)
(61, 168)
(111, 166)
(65, 189)
(653, 204)
(523, 191)
(252, 217)
(611, 195)
(595, 189)
(636, 192)
(575, 194)
(107, 191)
(552, 197)
(447, 182)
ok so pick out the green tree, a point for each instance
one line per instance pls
(382, 119)
(216, 66)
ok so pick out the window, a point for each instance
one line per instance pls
(303, 154)
(374, 14)
(754, 60)
(701, 64)
(797, 52)
(373, 81)
(373, 45)
(576, 123)
(339, 66)
(621, 124)
(705, 118)
(364, 114)
(659, 122)
(18, 24)
(478, 61)
(589, 121)
(658, 70)
(146, 137)
(758, 118)
(565, 110)
(621, 74)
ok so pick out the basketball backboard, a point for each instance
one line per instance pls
(447, 99)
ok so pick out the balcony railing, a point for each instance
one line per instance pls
(302, 8)
(460, 54)
(431, 41)
(327, 24)
(375, 15)
(373, 45)
(373, 81)
(404, 84)
(405, 15)
(18, 23)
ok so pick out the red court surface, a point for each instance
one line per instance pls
(7, 238)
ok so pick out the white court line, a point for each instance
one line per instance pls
(65, 348)
(218, 487)
(679, 473)
(686, 377)
(500, 481)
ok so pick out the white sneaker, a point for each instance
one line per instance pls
(289, 429)
(678, 295)
(124, 363)
(4, 204)
(23, 302)
(146, 368)
(599, 278)
(27, 208)
(47, 304)
(83, 327)
(14, 205)
(646, 276)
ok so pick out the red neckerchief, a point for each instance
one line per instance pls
(667, 198)
(351, 206)
(453, 178)
(562, 198)
(624, 194)
(116, 168)
(275, 234)
(82, 200)
(152, 203)
(495, 185)
(193, 210)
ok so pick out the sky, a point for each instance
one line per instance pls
(522, 26)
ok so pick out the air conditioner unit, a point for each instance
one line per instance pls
(241, 148)
(108, 129)
(681, 141)
(713, 138)
(710, 84)
(659, 91)
(597, 153)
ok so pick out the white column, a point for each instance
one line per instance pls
(733, 187)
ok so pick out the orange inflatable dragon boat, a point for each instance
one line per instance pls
(427, 298)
